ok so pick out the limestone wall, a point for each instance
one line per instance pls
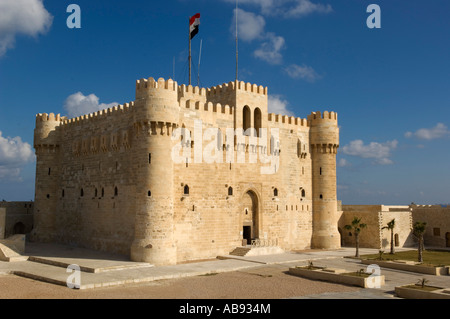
(17, 218)
(376, 217)
(108, 180)
(437, 232)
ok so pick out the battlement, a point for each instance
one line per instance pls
(44, 117)
(325, 116)
(183, 89)
(113, 111)
(208, 106)
(289, 121)
(151, 83)
(229, 87)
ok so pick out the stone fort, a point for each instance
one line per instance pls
(109, 180)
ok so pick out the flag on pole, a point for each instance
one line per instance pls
(194, 22)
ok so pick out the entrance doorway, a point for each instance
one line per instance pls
(447, 240)
(250, 217)
(247, 234)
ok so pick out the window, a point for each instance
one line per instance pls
(149, 193)
(321, 171)
(95, 193)
(321, 196)
(246, 114)
(103, 192)
(116, 191)
(49, 170)
(303, 193)
(62, 193)
(186, 190)
(436, 232)
(81, 192)
(275, 192)
(257, 120)
(230, 191)
(149, 158)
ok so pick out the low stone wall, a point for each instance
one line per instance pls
(338, 276)
(411, 293)
(410, 266)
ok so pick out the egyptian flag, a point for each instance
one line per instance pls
(194, 22)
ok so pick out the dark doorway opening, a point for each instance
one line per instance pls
(247, 234)
(19, 228)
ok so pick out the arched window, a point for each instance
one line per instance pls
(303, 193)
(81, 192)
(246, 118)
(116, 191)
(230, 191)
(275, 192)
(186, 190)
(95, 193)
(149, 193)
(103, 192)
(257, 121)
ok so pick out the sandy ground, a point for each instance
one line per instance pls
(268, 282)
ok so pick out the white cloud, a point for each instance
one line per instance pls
(250, 25)
(287, 8)
(378, 151)
(28, 17)
(277, 105)
(304, 72)
(78, 104)
(269, 50)
(250, 28)
(439, 131)
(14, 154)
(303, 8)
(343, 163)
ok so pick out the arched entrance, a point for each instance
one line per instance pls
(250, 217)
(19, 228)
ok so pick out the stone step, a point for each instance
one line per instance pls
(9, 254)
(240, 251)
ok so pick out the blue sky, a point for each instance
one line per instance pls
(389, 85)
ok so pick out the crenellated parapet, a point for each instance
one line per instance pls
(324, 132)
(115, 112)
(208, 107)
(287, 121)
(150, 87)
(45, 134)
(318, 117)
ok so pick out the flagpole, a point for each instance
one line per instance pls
(237, 49)
(199, 60)
(190, 57)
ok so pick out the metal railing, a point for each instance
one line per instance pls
(264, 242)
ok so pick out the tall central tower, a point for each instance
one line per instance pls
(324, 139)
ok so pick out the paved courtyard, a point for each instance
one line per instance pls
(103, 275)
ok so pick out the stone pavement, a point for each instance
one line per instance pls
(49, 262)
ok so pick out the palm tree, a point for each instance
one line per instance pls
(356, 226)
(418, 231)
(391, 226)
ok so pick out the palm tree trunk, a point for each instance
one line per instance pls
(392, 242)
(357, 244)
(420, 257)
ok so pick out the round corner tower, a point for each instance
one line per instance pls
(324, 141)
(46, 144)
(156, 114)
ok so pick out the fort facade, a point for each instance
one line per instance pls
(184, 173)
